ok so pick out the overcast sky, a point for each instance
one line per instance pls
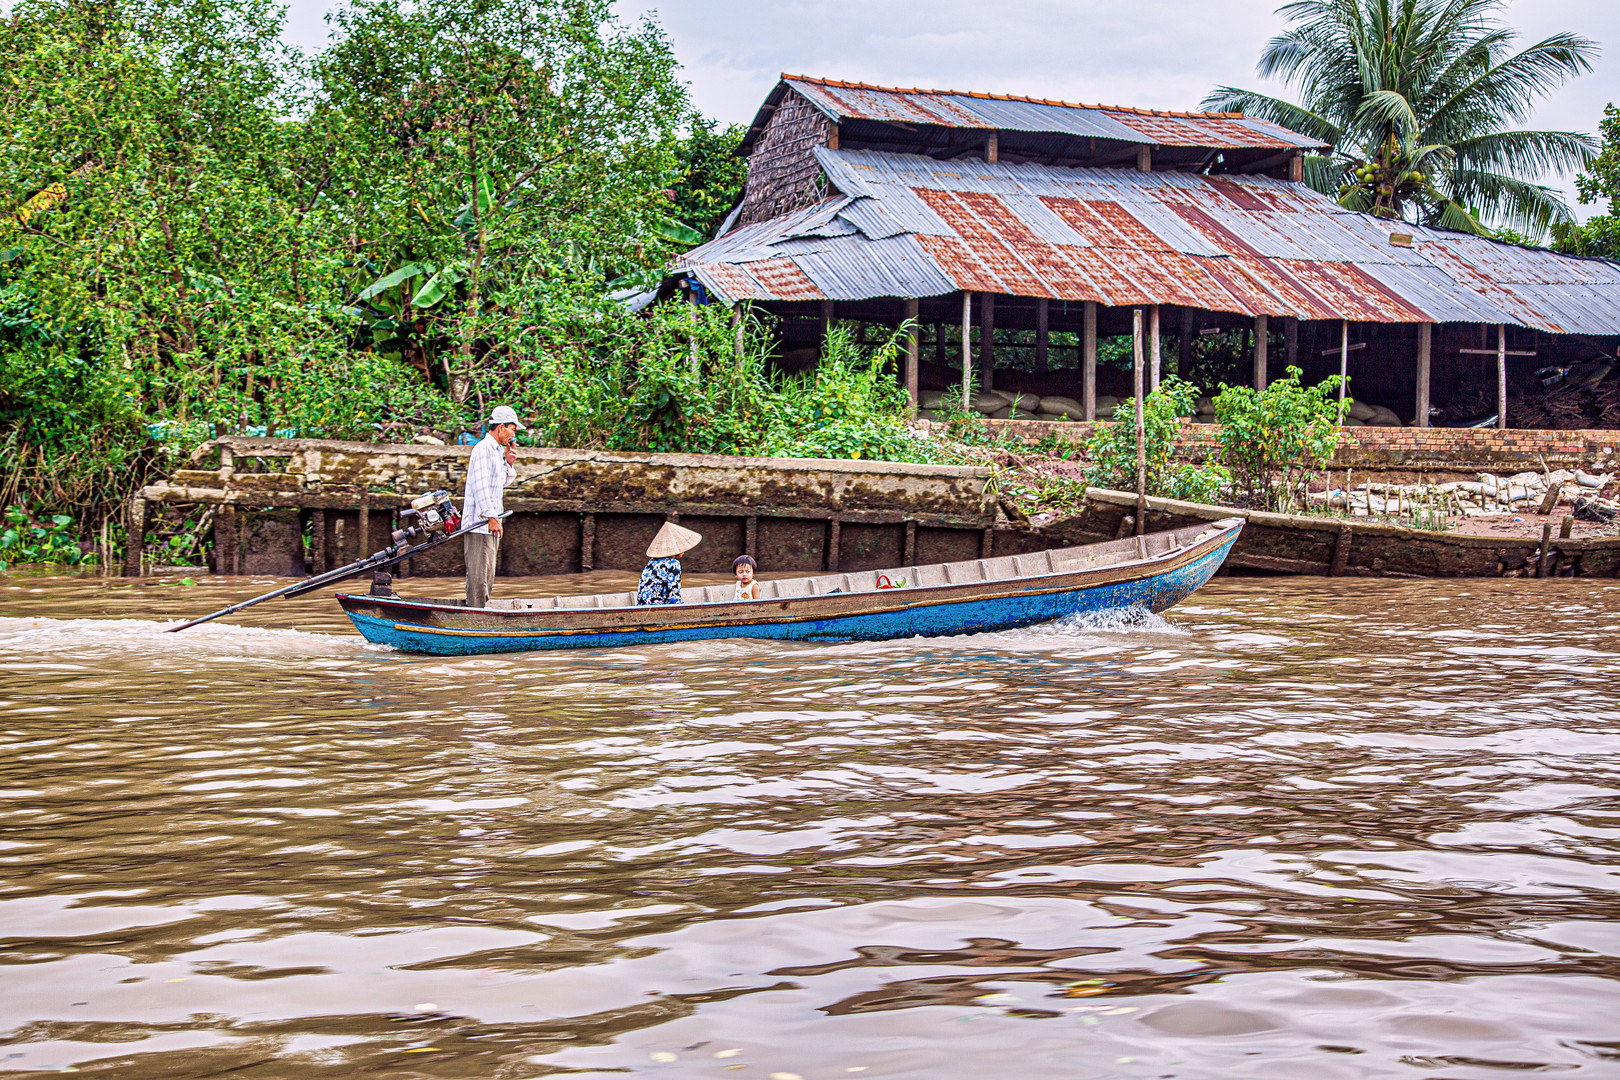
(1162, 54)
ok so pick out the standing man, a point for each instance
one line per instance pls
(493, 466)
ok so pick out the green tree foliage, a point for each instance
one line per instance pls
(711, 175)
(202, 231)
(492, 147)
(1416, 98)
(1272, 439)
(1112, 447)
(1601, 181)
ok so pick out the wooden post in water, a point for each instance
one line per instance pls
(967, 351)
(911, 355)
(1141, 429)
(1546, 543)
(1501, 376)
(135, 525)
(1088, 361)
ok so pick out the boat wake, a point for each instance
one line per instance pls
(1117, 621)
(32, 639)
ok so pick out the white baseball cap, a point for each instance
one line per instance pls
(503, 414)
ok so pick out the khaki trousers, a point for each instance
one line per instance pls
(480, 550)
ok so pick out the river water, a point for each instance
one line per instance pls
(1294, 828)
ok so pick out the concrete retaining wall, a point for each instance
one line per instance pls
(284, 504)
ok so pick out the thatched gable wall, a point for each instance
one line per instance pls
(783, 174)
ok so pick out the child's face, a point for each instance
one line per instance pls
(745, 573)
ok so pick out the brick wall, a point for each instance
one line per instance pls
(1376, 449)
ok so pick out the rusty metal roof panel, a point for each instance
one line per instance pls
(1229, 133)
(1577, 308)
(1006, 112)
(878, 221)
(850, 102)
(1054, 119)
(862, 269)
(1248, 245)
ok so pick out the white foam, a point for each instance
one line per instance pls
(39, 640)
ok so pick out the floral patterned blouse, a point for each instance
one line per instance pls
(660, 582)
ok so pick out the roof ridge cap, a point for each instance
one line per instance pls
(787, 77)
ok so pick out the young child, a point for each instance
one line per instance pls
(747, 587)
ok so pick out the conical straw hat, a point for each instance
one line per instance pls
(672, 540)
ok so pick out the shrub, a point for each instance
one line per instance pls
(1272, 439)
(1112, 448)
(23, 539)
(849, 406)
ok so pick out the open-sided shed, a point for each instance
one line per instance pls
(976, 210)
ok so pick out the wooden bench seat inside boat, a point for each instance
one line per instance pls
(1001, 568)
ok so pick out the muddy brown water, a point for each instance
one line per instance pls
(1294, 828)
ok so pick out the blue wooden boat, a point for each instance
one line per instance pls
(1143, 572)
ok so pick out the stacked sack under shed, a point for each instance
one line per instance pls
(1008, 405)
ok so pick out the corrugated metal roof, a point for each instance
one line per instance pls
(1251, 245)
(1005, 112)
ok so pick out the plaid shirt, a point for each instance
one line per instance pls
(487, 476)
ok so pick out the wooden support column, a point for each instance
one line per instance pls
(992, 147)
(987, 340)
(737, 329)
(751, 536)
(1290, 342)
(1041, 334)
(908, 555)
(1088, 360)
(135, 526)
(364, 539)
(987, 543)
(1296, 168)
(1141, 430)
(1424, 342)
(317, 528)
(1154, 359)
(1260, 352)
(1184, 346)
(911, 355)
(1501, 377)
(1344, 365)
(832, 137)
(1144, 159)
(834, 538)
(587, 543)
(967, 350)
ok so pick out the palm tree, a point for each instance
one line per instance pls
(1414, 97)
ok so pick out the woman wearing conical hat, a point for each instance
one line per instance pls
(661, 579)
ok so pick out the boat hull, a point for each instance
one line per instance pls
(897, 616)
